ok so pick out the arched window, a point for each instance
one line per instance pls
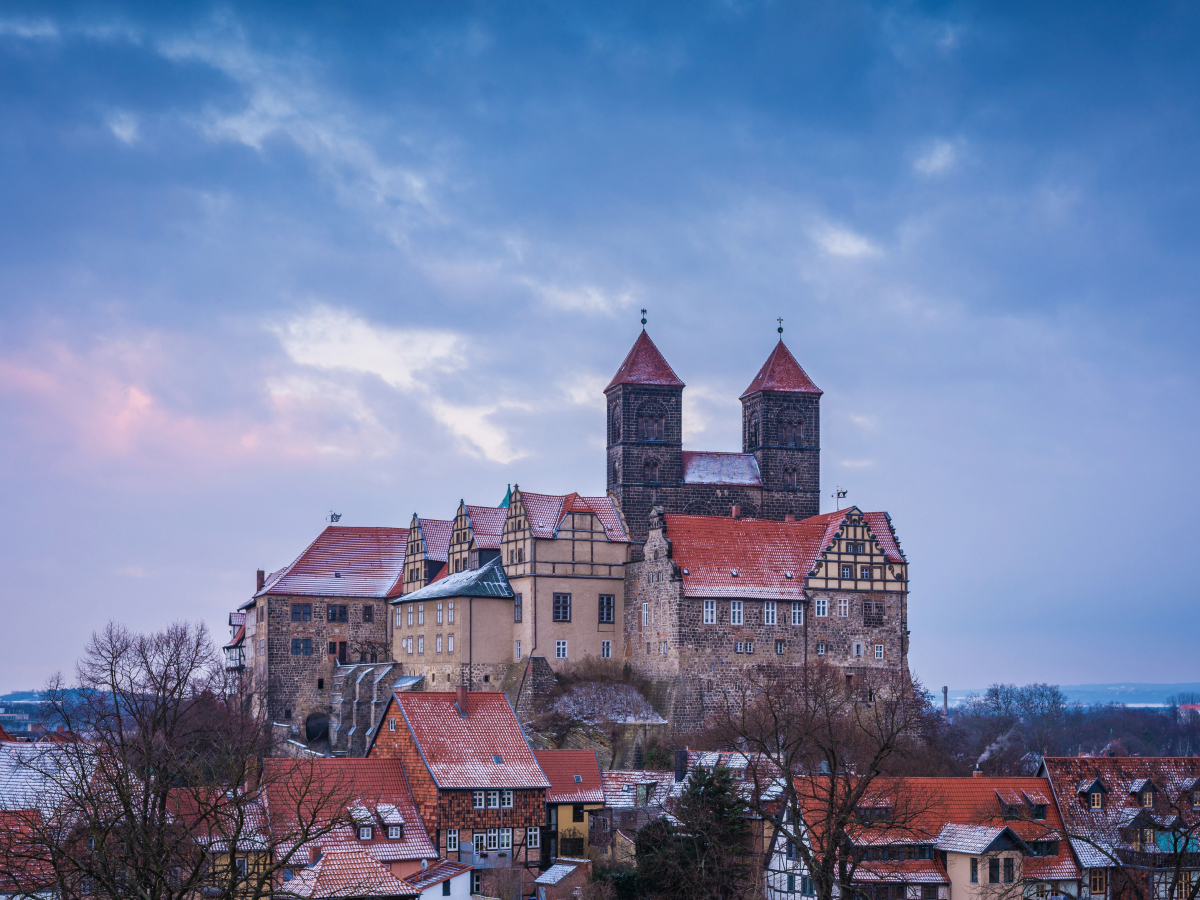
(615, 419)
(651, 471)
(789, 478)
(789, 431)
(753, 432)
(650, 427)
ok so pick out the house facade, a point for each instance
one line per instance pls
(576, 791)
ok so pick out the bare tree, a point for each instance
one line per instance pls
(162, 796)
(824, 744)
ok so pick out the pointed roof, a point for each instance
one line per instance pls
(644, 365)
(781, 372)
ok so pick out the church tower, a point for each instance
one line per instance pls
(781, 427)
(645, 435)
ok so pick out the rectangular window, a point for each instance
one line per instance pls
(847, 571)
(864, 573)
(421, 644)
(822, 609)
(391, 724)
(820, 648)
(439, 643)
(974, 871)
(1096, 800)
(769, 612)
(399, 618)
(493, 838)
(735, 612)
(450, 613)
(1097, 881)
(879, 651)
(477, 840)
(336, 613)
(791, 883)
(645, 615)
(779, 648)
(297, 643)
(710, 612)
(797, 613)
(1008, 870)
(577, 812)
(301, 612)
(493, 799)
(333, 648)
(410, 614)
(420, 613)
(807, 888)
(505, 838)
(450, 643)
(451, 840)
(562, 608)
(606, 649)
(843, 608)
(477, 882)
(364, 833)
(533, 838)
(408, 645)
(477, 799)
(560, 649)
(439, 614)
(856, 649)
(749, 646)
(608, 607)
(517, 607)
(506, 799)
(518, 651)
(993, 871)
(369, 613)
(739, 647)
(929, 892)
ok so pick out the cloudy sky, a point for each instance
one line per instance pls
(262, 262)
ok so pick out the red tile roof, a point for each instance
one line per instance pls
(620, 787)
(437, 533)
(487, 524)
(349, 872)
(460, 751)
(574, 776)
(440, 871)
(345, 562)
(378, 785)
(702, 467)
(881, 528)
(781, 372)
(644, 365)
(546, 512)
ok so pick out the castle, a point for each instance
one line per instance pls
(693, 568)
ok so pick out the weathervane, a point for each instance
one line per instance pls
(643, 320)
(840, 494)
(780, 328)
(332, 517)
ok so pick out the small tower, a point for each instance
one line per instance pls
(781, 426)
(645, 434)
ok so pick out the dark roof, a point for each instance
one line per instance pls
(645, 365)
(486, 581)
(345, 561)
(781, 372)
(702, 467)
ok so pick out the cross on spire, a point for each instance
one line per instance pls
(643, 320)
(780, 328)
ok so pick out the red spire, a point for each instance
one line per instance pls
(781, 372)
(645, 365)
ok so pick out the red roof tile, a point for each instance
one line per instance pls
(487, 524)
(881, 528)
(437, 873)
(437, 533)
(781, 372)
(545, 513)
(379, 785)
(574, 776)
(459, 751)
(645, 365)
(345, 562)
(349, 872)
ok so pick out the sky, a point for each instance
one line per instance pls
(262, 262)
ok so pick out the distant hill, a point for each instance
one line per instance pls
(15, 696)
(1128, 693)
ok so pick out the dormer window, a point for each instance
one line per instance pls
(1148, 799)
(395, 832)
(1095, 800)
(1039, 811)
(365, 832)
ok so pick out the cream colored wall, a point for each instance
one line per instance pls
(958, 868)
(885, 576)
(487, 621)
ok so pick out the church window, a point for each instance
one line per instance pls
(789, 478)
(650, 428)
(789, 432)
(651, 467)
(735, 612)
(753, 433)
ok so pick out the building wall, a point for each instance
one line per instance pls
(958, 869)
(481, 629)
(762, 414)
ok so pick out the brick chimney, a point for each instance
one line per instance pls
(461, 699)
(736, 512)
(260, 579)
(789, 518)
(977, 773)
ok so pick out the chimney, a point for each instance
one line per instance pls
(946, 703)
(681, 765)
(260, 578)
(461, 699)
(736, 512)
(977, 773)
(314, 855)
(789, 518)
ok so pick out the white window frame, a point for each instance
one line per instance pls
(879, 651)
(451, 840)
(493, 799)
(450, 613)
(505, 838)
(410, 615)
(843, 607)
(864, 573)
(399, 618)
(493, 839)
(365, 832)
(820, 648)
(518, 651)
(797, 612)
(477, 799)
(478, 841)
(420, 613)
(533, 838)
(736, 614)
(738, 647)
(395, 832)
(408, 643)
(439, 643)
(770, 612)
(606, 649)
(450, 643)
(822, 608)
(439, 614)
(391, 724)
(857, 650)
(421, 645)
(560, 649)
(749, 646)
(710, 612)
(645, 615)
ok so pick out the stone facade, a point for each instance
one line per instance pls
(695, 664)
